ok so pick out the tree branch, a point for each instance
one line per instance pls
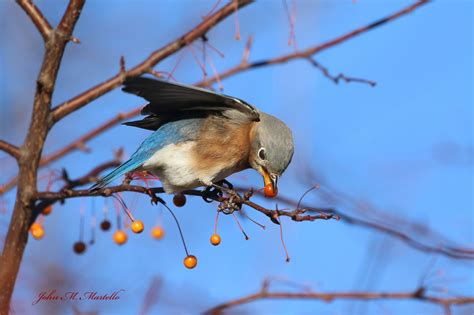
(41, 23)
(69, 19)
(297, 215)
(417, 295)
(9, 148)
(305, 54)
(86, 97)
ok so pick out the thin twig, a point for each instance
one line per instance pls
(340, 76)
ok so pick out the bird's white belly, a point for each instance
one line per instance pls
(174, 167)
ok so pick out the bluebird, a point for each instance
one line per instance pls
(200, 137)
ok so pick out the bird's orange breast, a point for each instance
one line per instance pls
(222, 148)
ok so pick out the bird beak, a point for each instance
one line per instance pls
(268, 179)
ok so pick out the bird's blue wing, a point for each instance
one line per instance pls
(170, 133)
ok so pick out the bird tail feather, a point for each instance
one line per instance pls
(125, 167)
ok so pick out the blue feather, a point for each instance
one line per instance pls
(170, 133)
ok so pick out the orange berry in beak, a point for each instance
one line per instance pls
(190, 261)
(270, 191)
(157, 232)
(215, 239)
(137, 226)
(120, 237)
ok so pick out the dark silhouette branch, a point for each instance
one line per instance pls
(88, 96)
(340, 76)
(10, 149)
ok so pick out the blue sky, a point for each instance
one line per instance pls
(404, 147)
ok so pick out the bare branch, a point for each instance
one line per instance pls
(305, 54)
(69, 19)
(86, 97)
(9, 148)
(417, 295)
(297, 215)
(41, 23)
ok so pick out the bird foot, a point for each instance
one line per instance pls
(216, 191)
(210, 194)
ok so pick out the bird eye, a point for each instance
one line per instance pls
(261, 154)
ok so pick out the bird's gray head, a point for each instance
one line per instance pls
(271, 148)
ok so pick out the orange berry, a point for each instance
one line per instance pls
(120, 237)
(137, 226)
(157, 232)
(35, 226)
(215, 239)
(190, 261)
(79, 247)
(179, 200)
(270, 191)
(48, 210)
(37, 231)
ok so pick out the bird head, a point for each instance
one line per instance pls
(271, 150)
